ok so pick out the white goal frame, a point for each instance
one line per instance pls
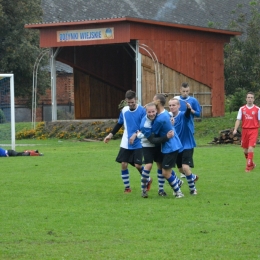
(12, 104)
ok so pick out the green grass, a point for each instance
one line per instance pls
(5, 130)
(69, 204)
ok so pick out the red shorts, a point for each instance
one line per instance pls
(249, 137)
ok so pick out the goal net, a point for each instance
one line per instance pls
(7, 113)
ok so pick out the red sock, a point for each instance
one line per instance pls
(250, 159)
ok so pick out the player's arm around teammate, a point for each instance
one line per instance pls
(130, 147)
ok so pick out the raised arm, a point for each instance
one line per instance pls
(195, 108)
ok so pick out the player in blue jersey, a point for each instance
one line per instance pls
(185, 98)
(151, 150)
(8, 153)
(183, 123)
(160, 127)
(130, 147)
(195, 105)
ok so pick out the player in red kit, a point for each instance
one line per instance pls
(249, 114)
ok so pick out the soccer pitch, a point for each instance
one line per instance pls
(69, 204)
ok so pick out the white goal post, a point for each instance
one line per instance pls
(8, 97)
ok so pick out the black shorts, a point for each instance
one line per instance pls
(152, 154)
(13, 153)
(185, 157)
(169, 160)
(130, 156)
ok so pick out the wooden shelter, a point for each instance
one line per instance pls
(110, 56)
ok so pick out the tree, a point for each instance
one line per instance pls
(242, 54)
(19, 47)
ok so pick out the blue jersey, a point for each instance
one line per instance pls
(146, 129)
(195, 105)
(161, 126)
(193, 102)
(3, 152)
(131, 121)
(184, 129)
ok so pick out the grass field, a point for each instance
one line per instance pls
(69, 204)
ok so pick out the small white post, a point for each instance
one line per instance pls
(12, 111)
(138, 56)
(53, 86)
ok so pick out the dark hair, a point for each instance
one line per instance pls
(250, 93)
(162, 99)
(130, 94)
(185, 84)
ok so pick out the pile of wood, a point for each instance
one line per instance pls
(227, 137)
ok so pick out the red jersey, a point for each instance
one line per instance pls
(249, 116)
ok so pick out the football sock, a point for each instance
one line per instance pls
(191, 182)
(250, 159)
(125, 178)
(161, 180)
(177, 179)
(173, 182)
(141, 170)
(144, 179)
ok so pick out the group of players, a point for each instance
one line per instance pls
(154, 134)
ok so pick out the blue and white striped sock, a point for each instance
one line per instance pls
(191, 183)
(141, 170)
(173, 182)
(144, 179)
(161, 180)
(177, 179)
(125, 178)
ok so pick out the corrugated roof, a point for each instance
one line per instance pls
(61, 68)
(199, 13)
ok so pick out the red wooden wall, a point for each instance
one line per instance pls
(194, 52)
(197, 55)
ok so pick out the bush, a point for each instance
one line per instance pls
(237, 100)
(25, 134)
(70, 130)
(228, 108)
